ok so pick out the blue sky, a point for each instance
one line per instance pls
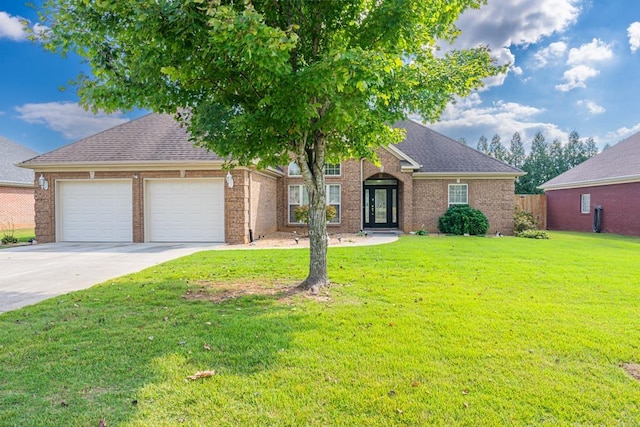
(575, 65)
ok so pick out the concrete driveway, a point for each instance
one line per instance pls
(29, 274)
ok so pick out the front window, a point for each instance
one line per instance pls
(332, 170)
(294, 169)
(329, 169)
(333, 199)
(298, 196)
(458, 194)
(585, 203)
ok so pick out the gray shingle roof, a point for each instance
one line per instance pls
(619, 163)
(159, 138)
(11, 154)
(437, 153)
(148, 139)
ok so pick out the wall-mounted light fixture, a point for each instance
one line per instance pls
(43, 183)
(229, 180)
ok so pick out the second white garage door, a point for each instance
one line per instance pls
(184, 210)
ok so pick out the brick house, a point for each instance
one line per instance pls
(143, 181)
(16, 187)
(610, 181)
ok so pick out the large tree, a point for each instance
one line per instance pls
(538, 166)
(496, 149)
(272, 80)
(517, 154)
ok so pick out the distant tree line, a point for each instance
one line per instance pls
(543, 162)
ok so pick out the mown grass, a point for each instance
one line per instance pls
(22, 234)
(426, 331)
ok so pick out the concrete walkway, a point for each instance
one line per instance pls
(376, 238)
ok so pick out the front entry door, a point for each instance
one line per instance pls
(381, 206)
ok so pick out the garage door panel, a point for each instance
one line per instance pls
(185, 210)
(95, 211)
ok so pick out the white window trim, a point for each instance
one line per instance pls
(583, 198)
(466, 186)
(339, 174)
(299, 174)
(302, 189)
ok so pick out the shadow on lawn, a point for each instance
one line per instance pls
(83, 357)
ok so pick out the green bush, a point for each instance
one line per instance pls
(533, 234)
(463, 219)
(525, 225)
(301, 213)
(523, 221)
(8, 240)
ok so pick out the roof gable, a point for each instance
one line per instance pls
(148, 139)
(438, 154)
(620, 163)
(10, 155)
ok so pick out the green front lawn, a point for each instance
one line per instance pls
(426, 331)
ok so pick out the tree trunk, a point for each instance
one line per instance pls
(318, 276)
(311, 159)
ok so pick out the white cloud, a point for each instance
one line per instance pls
(622, 133)
(634, 36)
(550, 53)
(503, 23)
(591, 106)
(68, 118)
(576, 77)
(469, 119)
(582, 60)
(11, 27)
(595, 51)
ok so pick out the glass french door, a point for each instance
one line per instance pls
(381, 206)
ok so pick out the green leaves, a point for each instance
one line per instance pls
(259, 78)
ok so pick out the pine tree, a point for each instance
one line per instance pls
(483, 146)
(496, 149)
(517, 154)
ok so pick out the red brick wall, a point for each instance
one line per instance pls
(350, 200)
(264, 200)
(17, 207)
(620, 209)
(494, 197)
(421, 201)
(350, 179)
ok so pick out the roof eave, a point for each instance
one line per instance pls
(138, 166)
(396, 152)
(123, 165)
(479, 175)
(16, 184)
(591, 183)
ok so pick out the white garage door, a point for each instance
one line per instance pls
(94, 211)
(185, 210)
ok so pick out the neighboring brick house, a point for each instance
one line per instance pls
(610, 181)
(144, 181)
(16, 187)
